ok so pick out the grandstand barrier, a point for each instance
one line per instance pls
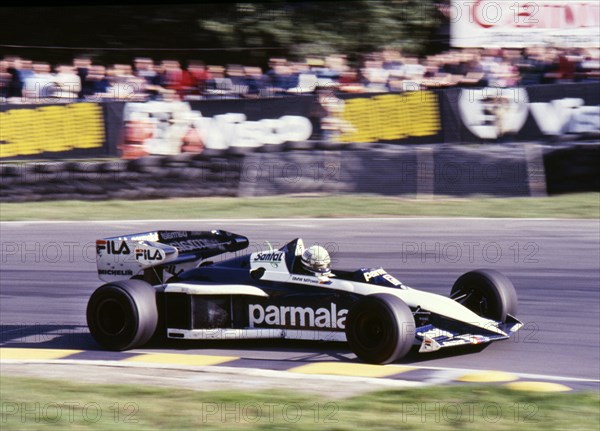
(456, 115)
(458, 142)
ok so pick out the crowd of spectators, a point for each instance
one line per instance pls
(25, 81)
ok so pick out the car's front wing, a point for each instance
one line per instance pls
(432, 338)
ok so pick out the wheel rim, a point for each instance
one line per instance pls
(111, 317)
(370, 330)
(473, 299)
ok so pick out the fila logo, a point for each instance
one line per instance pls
(142, 254)
(112, 247)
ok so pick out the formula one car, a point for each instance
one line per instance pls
(161, 284)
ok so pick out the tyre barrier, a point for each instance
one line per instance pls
(523, 169)
(146, 178)
(572, 168)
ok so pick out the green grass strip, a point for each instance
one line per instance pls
(40, 404)
(584, 205)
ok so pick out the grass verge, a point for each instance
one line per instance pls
(583, 205)
(29, 403)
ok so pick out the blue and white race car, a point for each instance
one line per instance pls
(161, 284)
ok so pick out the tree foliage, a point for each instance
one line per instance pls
(247, 32)
(351, 27)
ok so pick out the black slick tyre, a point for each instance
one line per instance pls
(486, 292)
(123, 315)
(380, 328)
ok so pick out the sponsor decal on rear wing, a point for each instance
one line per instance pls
(125, 256)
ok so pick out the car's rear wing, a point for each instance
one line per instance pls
(123, 257)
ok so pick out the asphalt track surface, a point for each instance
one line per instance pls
(48, 273)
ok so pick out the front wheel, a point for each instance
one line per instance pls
(486, 292)
(380, 328)
(123, 315)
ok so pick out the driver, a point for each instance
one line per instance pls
(315, 261)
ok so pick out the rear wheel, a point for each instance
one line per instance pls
(380, 328)
(487, 293)
(123, 315)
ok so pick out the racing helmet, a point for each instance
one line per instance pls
(316, 260)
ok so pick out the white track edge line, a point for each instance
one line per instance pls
(258, 371)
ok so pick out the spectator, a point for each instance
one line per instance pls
(474, 76)
(40, 86)
(254, 81)
(172, 77)
(15, 86)
(153, 76)
(124, 85)
(567, 64)
(96, 84)
(219, 84)
(5, 79)
(381, 71)
(392, 60)
(82, 67)
(189, 85)
(216, 75)
(25, 71)
(144, 68)
(304, 79)
(335, 65)
(68, 84)
(530, 67)
(349, 82)
(376, 77)
(590, 65)
(549, 61)
(412, 69)
(201, 75)
(235, 83)
(280, 76)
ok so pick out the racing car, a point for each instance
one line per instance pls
(163, 283)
